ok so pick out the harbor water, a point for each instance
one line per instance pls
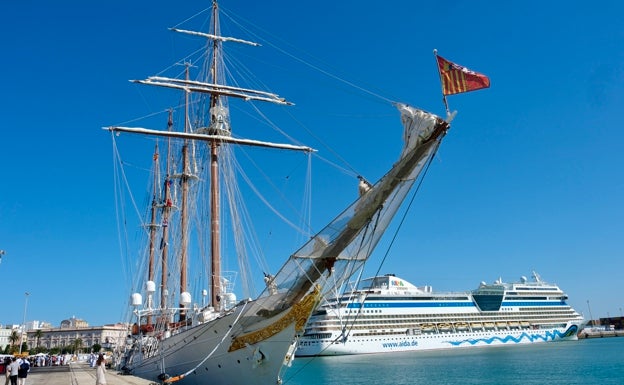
(587, 362)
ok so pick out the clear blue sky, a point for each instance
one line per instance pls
(529, 177)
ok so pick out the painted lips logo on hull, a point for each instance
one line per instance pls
(572, 330)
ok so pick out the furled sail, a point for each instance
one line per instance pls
(342, 246)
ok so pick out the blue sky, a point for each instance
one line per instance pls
(528, 178)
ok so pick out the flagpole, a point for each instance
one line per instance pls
(448, 111)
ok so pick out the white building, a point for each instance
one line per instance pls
(108, 336)
(5, 334)
(34, 325)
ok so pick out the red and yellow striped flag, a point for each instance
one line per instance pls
(457, 79)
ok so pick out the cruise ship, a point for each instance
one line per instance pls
(389, 314)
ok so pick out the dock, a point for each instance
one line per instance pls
(78, 373)
(600, 333)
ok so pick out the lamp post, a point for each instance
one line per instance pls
(24, 323)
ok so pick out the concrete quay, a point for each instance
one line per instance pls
(600, 333)
(77, 373)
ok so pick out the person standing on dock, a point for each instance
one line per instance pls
(7, 370)
(100, 370)
(22, 372)
(13, 368)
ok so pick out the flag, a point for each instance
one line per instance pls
(457, 79)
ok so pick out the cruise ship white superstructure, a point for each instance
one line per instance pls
(389, 314)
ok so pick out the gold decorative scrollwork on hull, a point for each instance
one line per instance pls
(298, 314)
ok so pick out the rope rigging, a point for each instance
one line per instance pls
(365, 219)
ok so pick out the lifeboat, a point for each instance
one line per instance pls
(444, 327)
(428, 327)
(461, 326)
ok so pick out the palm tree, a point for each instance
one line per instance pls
(77, 345)
(38, 335)
(14, 338)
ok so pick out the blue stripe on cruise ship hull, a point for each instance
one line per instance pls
(410, 304)
(531, 337)
(542, 303)
(447, 304)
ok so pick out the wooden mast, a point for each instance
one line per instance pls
(166, 211)
(215, 225)
(153, 226)
(186, 174)
(216, 132)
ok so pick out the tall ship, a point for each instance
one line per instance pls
(187, 323)
(389, 314)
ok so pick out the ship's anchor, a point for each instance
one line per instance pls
(258, 357)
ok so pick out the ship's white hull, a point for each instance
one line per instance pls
(204, 350)
(434, 341)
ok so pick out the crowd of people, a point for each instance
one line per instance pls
(17, 368)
